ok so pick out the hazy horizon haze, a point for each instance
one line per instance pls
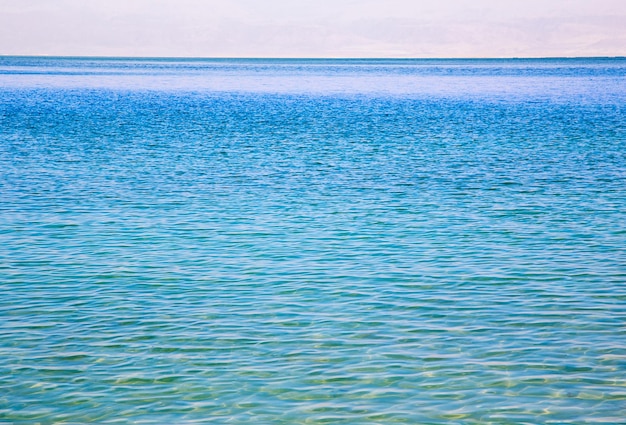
(324, 28)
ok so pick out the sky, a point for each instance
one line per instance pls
(313, 28)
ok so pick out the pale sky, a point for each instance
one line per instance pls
(313, 28)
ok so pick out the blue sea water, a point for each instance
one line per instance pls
(312, 241)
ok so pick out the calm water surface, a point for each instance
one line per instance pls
(312, 242)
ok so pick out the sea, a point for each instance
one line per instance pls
(312, 241)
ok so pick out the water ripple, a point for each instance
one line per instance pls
(290, 252)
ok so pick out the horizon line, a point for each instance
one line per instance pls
(309, 57)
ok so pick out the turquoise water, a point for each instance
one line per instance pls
(312, 242)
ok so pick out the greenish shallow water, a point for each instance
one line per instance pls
(310, 242)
